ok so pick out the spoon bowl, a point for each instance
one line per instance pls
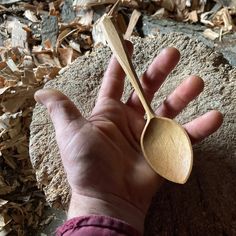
(165, 144)
(167, 149)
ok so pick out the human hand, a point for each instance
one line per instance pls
(101, 155)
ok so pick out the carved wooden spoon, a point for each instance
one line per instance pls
(165, 144)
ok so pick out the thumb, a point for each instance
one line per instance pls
(61, 109)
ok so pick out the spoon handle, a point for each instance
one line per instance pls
(116, 43)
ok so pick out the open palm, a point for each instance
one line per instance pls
(102, 155)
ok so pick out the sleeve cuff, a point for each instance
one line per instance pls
(96, 225)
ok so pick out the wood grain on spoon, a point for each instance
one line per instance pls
(165, 144)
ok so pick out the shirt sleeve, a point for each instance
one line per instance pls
(96, 225)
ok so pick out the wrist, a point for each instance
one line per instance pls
(81, 205)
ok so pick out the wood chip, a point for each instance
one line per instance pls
(86, 17)
(11, 64)
(160, 13)
(193, 16)
(3, 90)
(98, 36)
(91, 3)
(227, 19)
(3, 202)
(64, 34)
(75, 46)
(66, 55)
(168, 5)
(8, 1)
(30, 15)
(208, 33)
(132, 23)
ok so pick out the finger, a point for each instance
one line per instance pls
(113, 80)
(204, 125)
(152, 79)
(61, 109)
(180, 97)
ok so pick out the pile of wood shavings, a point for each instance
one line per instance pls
(219, 16)
(35, 44)
(37, 40)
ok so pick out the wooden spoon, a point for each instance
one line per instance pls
(165, 144)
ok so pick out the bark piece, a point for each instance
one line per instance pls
(68, 13)
(50, 29)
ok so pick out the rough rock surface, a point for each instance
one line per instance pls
(206, 204)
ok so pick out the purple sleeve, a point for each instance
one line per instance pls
(96, 225)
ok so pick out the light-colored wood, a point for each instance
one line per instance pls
(165, 144)
(117, 45)
(132, 23)
(92, 3)
(167, 149)
(19, 35)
